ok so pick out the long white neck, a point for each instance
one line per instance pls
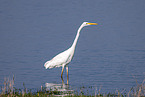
(76, 38)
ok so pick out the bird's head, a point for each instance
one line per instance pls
(88, 24)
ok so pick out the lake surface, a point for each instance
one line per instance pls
(110, 55)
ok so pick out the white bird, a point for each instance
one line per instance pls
(62, 59)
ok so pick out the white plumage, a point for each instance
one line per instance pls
(62, 59)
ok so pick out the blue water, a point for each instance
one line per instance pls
(110, 55)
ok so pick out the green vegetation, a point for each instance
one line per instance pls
(9, 91)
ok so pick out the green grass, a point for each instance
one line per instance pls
(8, 90)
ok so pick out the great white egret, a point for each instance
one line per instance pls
(62, 59)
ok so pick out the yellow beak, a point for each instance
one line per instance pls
(92, 23)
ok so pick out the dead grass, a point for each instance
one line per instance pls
(8, 90)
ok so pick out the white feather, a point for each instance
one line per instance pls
(65, 57)
(60, 59)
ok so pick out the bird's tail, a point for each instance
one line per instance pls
(46, 65)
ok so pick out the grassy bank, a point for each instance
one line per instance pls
(8, 90)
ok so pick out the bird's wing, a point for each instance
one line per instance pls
(58, 60)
